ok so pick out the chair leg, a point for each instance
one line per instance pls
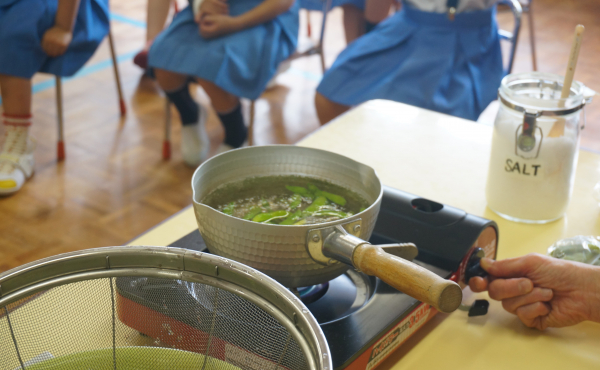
(60, 145)
(251, 125)
(531, 36)
(326, 8)
(308, 25)
(166, 150)
(122, 106)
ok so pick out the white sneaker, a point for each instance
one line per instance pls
(226, 147)
(195, 143)
(15, 169)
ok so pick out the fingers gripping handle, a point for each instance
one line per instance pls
(409, 278)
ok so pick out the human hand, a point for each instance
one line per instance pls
(56, 41)
(211, 7)
(215, 25)
(543, 291)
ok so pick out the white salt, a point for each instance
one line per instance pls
(534, 189)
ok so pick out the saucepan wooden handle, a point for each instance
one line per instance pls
(407, 277)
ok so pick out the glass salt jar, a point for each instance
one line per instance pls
(534, 147)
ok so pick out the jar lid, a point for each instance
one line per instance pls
(539, 93)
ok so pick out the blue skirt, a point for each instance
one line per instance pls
(241, 63)
(23, 24)
(422, 59)
(318, 4)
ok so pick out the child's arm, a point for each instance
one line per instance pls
(204, 7)
(56, 40)
(377, 10)
(213, 25)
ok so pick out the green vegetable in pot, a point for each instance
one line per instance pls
(228, 209)
(337, 199)
(338, 214)
(296, 201)
(291, 219)
(270, 216)
(301, 191)
(314, 206)
(252, 213)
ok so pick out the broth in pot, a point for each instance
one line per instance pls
(286, 200)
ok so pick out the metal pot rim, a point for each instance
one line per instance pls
(269, 226)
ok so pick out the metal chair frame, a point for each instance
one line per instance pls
(60, 146)
(512, 37)
(526, 5)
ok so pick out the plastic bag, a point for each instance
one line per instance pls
(581, 248)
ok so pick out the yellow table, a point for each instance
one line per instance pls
(445, 159)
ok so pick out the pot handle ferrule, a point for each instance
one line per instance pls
(340, 245)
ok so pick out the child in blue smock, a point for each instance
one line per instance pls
(423, 56)
(50, 36)
(232, 49)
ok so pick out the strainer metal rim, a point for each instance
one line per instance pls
(173, 263)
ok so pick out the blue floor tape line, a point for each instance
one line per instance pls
(44, 85)
(122, 18)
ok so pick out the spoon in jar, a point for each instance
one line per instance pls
(558, 129)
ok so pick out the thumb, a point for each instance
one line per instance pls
(508, 268)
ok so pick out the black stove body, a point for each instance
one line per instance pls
(363, 318)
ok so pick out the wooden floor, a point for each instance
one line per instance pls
(114, 184)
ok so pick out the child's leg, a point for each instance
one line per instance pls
(354, 22)
(230, 113)
(16, 95)
(175, 86)
(195, 143)
(157, 12)
(16, 156)
(327, 109)
(156, 16)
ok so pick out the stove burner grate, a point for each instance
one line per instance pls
(310, 294)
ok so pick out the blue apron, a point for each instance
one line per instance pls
(318, 4)
(241, 63)
(23, 24)
(422, 59)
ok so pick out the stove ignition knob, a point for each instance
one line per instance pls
(480, 306)
(473, 266)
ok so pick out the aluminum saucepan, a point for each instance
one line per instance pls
(302, 255)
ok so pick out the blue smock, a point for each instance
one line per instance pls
(318, 4)
(23, 24)
(422, 59)
(241, 63)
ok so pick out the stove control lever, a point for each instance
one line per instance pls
(408, 251)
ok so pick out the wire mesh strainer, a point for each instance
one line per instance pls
(152, 308)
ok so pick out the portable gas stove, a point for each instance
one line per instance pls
(363, 319)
